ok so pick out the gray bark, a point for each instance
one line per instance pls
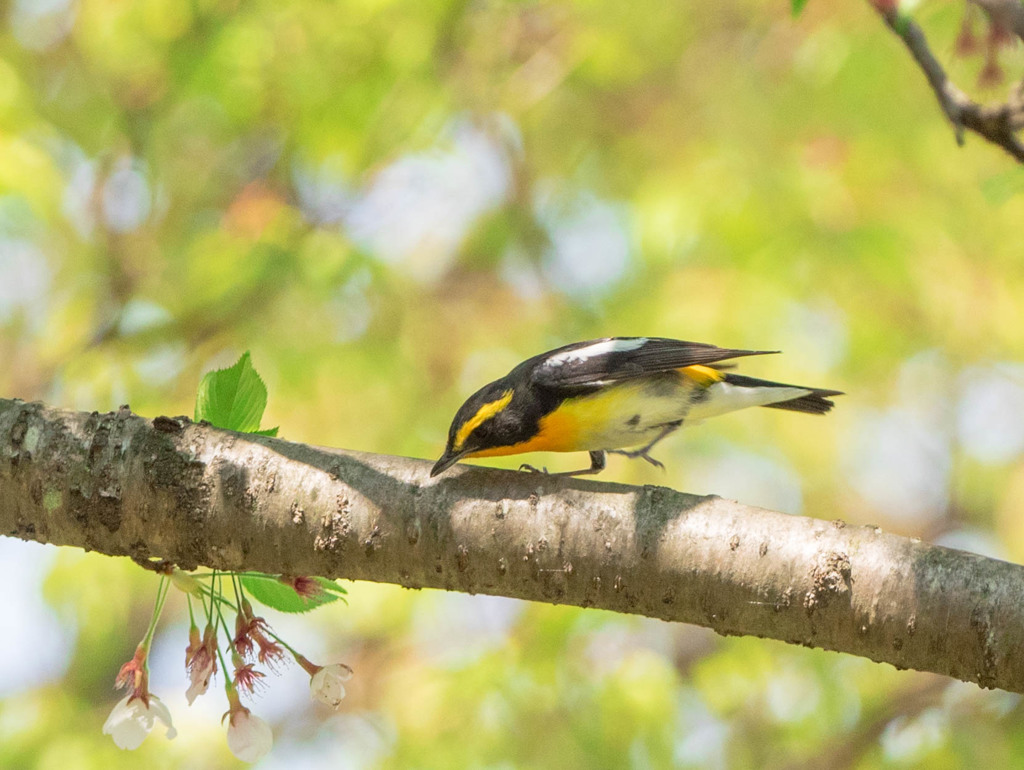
(196, 495)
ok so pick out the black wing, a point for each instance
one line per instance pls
(594, 363)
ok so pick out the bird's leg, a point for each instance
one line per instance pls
(596, 466)
(643, 451)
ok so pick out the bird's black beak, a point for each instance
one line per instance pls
(448, 459)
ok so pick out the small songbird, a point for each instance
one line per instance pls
(617, 394)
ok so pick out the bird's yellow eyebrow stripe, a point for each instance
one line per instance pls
(484, 413)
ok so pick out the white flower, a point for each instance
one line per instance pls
(200, 661)
(200, 681)
(326, 684)
(131, 720)
(249, 737)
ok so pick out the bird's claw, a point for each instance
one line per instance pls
(642, 453)
(531, 469)
(652, 461)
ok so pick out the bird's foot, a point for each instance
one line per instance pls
(531, 469)
(641, 453)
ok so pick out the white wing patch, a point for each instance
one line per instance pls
(597, 349)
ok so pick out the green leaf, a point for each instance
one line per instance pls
(270, 591)
(265, 432)
(797, 6)
(232, 398)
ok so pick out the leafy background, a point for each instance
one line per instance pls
(390, 203)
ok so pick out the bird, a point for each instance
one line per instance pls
(618, 395)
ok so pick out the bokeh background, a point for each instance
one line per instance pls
(391, 203)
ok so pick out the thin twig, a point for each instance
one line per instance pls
(997, 123)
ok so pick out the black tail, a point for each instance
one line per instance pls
(815, 402)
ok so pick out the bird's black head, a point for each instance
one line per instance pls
(487, 420)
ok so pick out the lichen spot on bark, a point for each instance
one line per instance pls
(52, 500)
(31, 440)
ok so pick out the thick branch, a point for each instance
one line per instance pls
(996, 123)
(124, 485)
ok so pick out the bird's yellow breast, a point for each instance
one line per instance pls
(615, 417)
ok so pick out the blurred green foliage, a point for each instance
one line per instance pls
(392, 203)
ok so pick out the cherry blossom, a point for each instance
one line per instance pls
(133, 718)
(249, 737)
(326, 684)
(200, 661)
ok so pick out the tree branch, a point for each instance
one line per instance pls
(998, 123)
(167, 488)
